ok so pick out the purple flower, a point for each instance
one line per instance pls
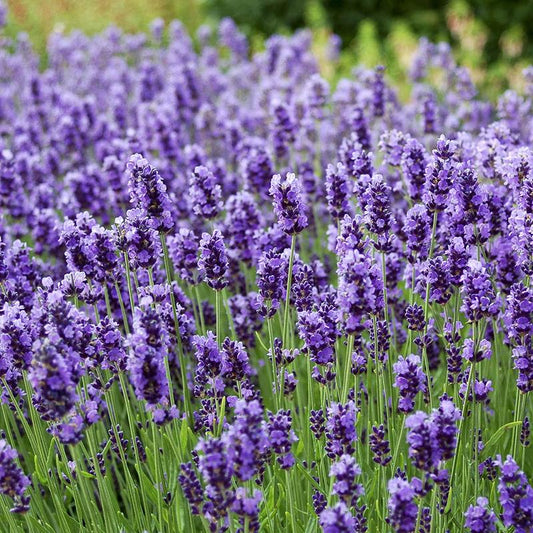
(149, 345)
(138, 239)
(402, 508)
(345, 471)
(287, 199)
(338, 191)
(479, 298)
(205, 193)
(378, 216)
(360, 288)
(458, 257)
(246, 317)
(518, 316)
(516, 496)
(183, 250)
(483, 351)
(216, 472)
(337, 519)
(149, 193)
(440, 175)
(358, 160)
(378, 92)
(80, 252)
(13, 482)
(247, 508)
(247, 440)
(213, 261)
(479, 518)
(208, 357)
(15, 338)
(414, 314)
(432, 438)
(417, 229)
(318, 335)
(281, 437)
(271, 282)
(429, 113)
(256, 168)
(109, 344)
(413, 165)
(523, 362)
(340, 429)
(410, 380)
(53, 382)
(191, 486)
(438, 278)
(243, 219)
(283, 129)
(379, 446)
(235, 362)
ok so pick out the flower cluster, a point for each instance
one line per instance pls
(231, 291)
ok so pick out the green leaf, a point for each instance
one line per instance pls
(309, 477)
(501, 431)
(222, 413)
(87, 475)
(299, 447)
(39, 527)
(51, 454)
(148, 487)
(41, 476)
(183, 436)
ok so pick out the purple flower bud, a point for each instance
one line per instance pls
(149, 345)
(340, 429)
(380, 446)
(338, 191)
(281, 437)
(414, 314)
(403, 510)
(417, 229)
(516, 496)
(440, 175)
(138, 239)
(479, 298)
(410, 380)
(13, 482)
(149, 193)
(345, 471)
(213, 262)
(271, 282)
(205, 193)
(183, 250)
(287, 199)
(413, 165)
(479, 518)
(337, 519)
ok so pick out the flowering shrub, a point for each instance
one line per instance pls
(236, 298)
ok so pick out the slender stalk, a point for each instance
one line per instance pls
(426, 308)
(460, 434)
(288, 293)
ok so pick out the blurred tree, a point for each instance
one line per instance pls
(264, 16)
(422, 17)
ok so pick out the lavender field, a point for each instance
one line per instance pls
(238, 296)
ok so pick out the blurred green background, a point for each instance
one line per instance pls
(491, 37)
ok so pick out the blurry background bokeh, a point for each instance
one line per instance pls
(491, 37)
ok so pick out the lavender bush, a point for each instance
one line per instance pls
(237, 298)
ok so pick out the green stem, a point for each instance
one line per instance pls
(459, 435)
(288, 294)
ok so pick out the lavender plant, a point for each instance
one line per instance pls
(236, 297)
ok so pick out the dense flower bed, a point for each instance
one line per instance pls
(237, 298)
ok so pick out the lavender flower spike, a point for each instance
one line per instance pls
(287, 199)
